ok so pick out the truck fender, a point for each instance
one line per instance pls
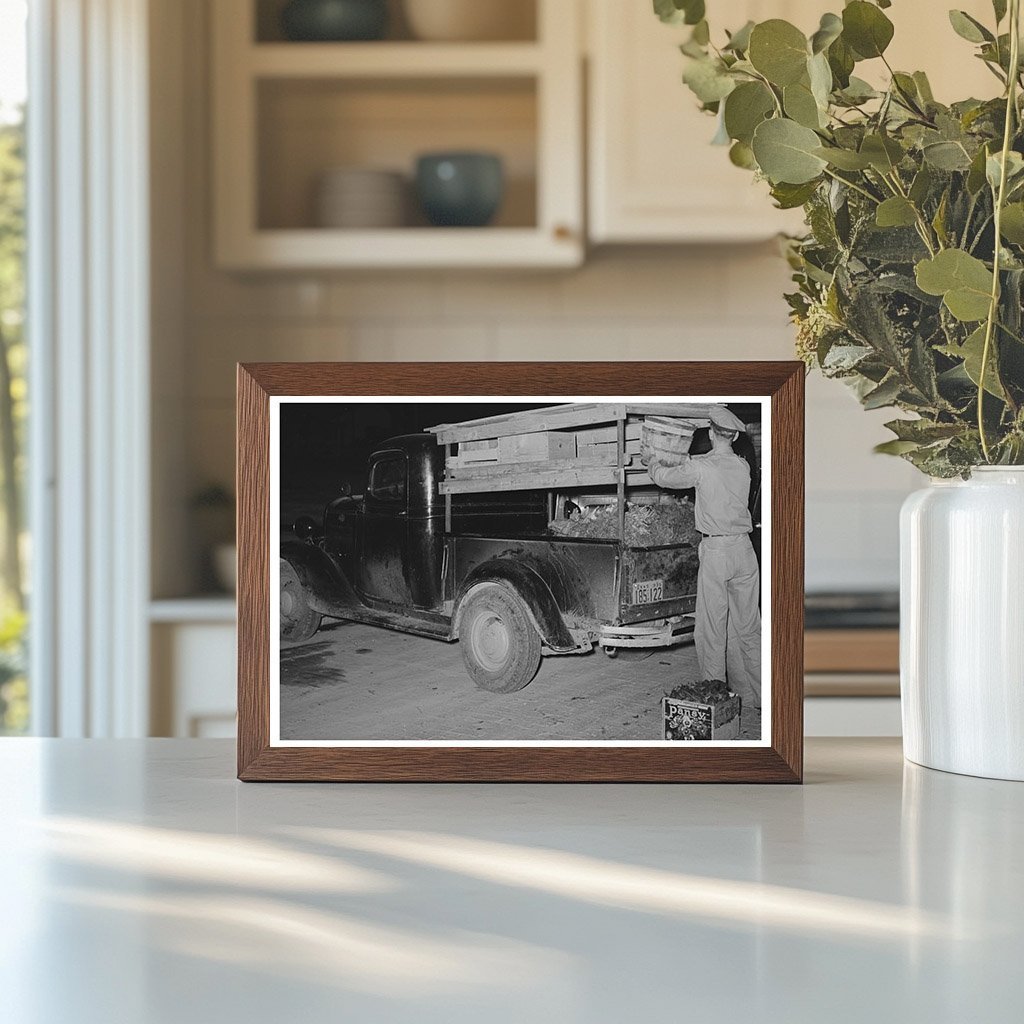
(328, 591)
(531, 589)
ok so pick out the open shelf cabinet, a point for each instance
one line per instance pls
(285, 113)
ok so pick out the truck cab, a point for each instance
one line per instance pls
(390, 540)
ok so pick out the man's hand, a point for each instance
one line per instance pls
(646, 454)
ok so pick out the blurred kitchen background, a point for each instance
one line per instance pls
(281, 216)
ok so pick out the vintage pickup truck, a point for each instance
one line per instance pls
(423, 553)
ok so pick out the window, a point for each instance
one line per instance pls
(14, 706)
(388, 480)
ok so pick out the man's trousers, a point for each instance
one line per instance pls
(727, 632)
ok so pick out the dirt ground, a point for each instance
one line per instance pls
(353, 681)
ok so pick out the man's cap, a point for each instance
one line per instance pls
(726, 421)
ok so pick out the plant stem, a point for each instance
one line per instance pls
(923, 228)
(850, 184)
(1000, 199)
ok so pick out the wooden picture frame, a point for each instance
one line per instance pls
(779, 759)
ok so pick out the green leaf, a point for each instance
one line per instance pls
(884, 395)
(844, 159)
(746, 107)
(906, 89)
(921, 185)
(947, 156)
(841, 60)
(883, 153)
(708, 80)
(858, 91)
(701, 33)
(895, 447)
(963, 281)
(999, 7)
(778, 50)
(866, 29)
(976, 174)
(800, 105)
(896, 212)
(1012, 226)
(830, 29)
(789, 197)
(969, 28)
(785, 152)
(923, 431)
(676, 12)
(739, 41)
(741, 155)
(820, 76)
(939, 220)
(924, 87)
(971, 352)
(721, 137)
(1014, 169)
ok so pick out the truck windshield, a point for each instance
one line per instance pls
(388, 479)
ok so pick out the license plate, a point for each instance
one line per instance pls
(648, 591)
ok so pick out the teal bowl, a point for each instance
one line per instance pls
(334, 21)
(460, 190)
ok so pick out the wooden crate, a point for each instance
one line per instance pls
(541, 446)
(566, 446)
(690, 720)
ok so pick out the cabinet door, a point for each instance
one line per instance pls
(654, 175)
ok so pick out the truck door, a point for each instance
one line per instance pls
(382, 558)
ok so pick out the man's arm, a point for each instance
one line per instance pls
(679, 478)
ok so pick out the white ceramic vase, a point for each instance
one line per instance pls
(962, 624)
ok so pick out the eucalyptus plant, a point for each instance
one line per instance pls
(910, 278)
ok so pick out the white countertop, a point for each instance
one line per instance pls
(143, 885)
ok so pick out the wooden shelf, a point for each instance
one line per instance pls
(284, 113)
(207, 608)
(852, 650)
(309, 248)
(393, 60)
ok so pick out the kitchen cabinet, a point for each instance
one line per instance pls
(286, 113)
(653, 175)
(192, 647)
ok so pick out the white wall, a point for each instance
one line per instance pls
(664, 303)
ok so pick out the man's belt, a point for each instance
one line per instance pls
(706, 536)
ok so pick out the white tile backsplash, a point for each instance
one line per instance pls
(715, 303)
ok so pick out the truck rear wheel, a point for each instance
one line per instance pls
(500, 647)
(298, 621)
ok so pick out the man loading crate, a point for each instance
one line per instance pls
(728, 616)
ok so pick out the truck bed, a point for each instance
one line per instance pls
(593, 580)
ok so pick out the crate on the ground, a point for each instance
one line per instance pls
(694, 720)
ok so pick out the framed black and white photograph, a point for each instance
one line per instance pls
(463, 580)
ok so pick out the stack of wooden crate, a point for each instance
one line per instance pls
(579, 445)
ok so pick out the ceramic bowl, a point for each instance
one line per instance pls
(471, 20)
(460, 189)
(358, 197)
(334, 20)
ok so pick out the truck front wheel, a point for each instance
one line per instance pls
(500, 647)
(298, 621)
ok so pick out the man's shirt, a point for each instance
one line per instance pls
(722, 481)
